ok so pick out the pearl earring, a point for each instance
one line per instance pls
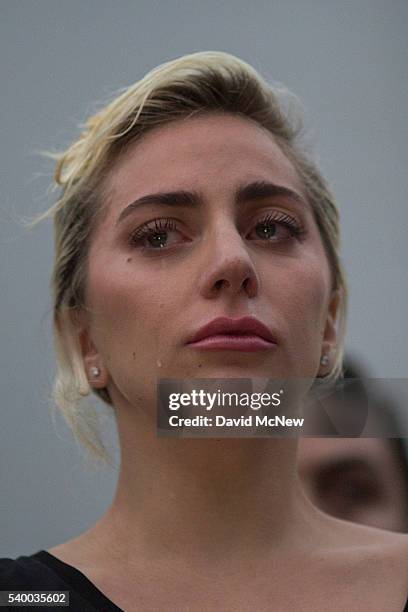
(324, 360)
(94, 372)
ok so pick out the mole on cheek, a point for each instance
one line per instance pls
(134, 355)
(129, 259)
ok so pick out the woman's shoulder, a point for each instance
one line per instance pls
(358, 540)
(373, 556)
(374, 539)
(42, 571)
(386, 551)
(23, 572)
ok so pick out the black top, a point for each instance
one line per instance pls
(42, 571)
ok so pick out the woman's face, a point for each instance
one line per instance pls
(234, 236)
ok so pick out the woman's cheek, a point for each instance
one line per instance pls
(307, 306)
(130, 315)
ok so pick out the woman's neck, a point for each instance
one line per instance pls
(197, 499)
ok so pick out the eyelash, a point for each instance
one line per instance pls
(147, 229)
(295, 228)
(155, 226)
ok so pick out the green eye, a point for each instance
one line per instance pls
(278, 227)
(155, 235)
(157, 239)
(266, 231)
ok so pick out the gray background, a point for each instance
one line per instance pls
(348, 63)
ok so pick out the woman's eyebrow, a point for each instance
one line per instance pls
(256, 190)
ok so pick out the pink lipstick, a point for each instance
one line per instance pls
(243, 334)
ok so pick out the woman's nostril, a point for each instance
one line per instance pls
(245, 284)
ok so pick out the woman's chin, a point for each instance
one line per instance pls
(227, 370)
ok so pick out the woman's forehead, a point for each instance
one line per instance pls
(215, 151)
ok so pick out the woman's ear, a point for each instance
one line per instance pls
(95, 370)
(330, 331)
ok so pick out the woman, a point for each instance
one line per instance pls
(184, 201)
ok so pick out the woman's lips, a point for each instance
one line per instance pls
(233, 342)
(224, 333)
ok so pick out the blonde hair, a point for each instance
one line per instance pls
(205, 82)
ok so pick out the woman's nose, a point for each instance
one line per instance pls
(228, 266)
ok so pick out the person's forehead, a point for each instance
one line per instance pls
(178, 154)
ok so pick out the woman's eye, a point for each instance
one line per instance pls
(269, 230)
(164, 233)
(158, 239)
(277, 228)
(157, 234)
